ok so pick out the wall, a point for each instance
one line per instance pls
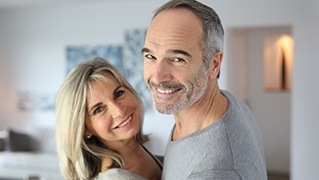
(33, 41)
(270, 108)
(305, 98)
(301, 16)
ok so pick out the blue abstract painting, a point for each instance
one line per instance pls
(127, 58)
(133, 64)
(31, 101)
(77, 54)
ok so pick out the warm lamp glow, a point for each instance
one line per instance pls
(278, 56)
(285, 40)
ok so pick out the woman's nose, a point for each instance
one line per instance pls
(117, 110)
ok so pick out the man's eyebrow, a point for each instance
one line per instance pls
(145, 50)
(173, 51)
(178, 51)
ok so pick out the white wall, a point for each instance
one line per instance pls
(302, 17)
(270, 108)
(33, 41)
(305, 98)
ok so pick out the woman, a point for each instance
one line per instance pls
(99, 122)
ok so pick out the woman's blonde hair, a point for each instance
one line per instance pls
(80, 157)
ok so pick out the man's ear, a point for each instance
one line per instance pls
(215, 64)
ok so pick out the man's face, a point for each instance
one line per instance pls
(173, 63)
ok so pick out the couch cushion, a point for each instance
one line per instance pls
(36, 139)
(21, 165)
(45, 138)
(19, 141)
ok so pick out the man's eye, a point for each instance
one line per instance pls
(178, 59)
(149, 56)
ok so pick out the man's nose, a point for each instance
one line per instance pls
(161, 72)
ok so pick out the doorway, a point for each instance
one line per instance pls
(245, 58)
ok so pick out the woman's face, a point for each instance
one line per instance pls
(113, 112)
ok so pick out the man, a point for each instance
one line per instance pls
(215, 135)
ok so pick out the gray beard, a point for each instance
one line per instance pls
(187, 98)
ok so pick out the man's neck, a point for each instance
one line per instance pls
(209, 109)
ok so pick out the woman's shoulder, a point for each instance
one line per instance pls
(120, 174)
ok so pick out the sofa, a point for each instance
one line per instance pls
(29, 153)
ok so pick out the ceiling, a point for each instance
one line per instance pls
(14, 3)
(20, 3)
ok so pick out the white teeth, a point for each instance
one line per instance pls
(125, 122)
(166, 91)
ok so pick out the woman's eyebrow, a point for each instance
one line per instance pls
(94, 106)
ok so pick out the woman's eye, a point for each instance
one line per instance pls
(98, 110)
(119, 93)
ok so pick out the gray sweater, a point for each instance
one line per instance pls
(118, 174)
(229, 149)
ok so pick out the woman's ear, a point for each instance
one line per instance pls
(87, 134)
(215, 64)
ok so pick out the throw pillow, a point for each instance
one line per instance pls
(19, 141)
